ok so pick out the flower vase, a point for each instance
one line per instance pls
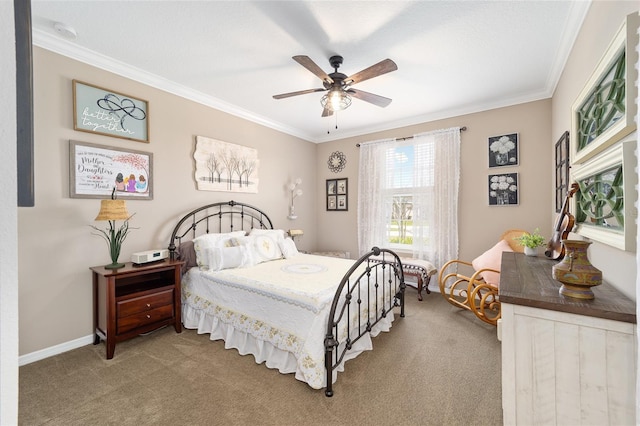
(503, 197)
(502, 158)
(575, 271)
(531, 251)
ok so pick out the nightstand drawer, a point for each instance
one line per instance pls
(143, 318)
(144, 303)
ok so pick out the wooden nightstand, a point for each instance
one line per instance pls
(135, 299)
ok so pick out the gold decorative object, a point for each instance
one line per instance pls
(575, 271)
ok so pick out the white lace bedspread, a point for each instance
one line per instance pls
(276, 311)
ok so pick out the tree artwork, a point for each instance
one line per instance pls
(223, 166)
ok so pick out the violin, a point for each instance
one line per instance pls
(564, 225)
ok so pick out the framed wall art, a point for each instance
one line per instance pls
(503, 150)
(103, 111)
(337, 194)
(604, 203)
(503, 189)
(605, 109)
(224, 166)
(562, 169)
(95, 170)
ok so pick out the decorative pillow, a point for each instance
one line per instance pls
(266, 248)
(278, 235)
(239, 256)
(289, 248)
(187, 253)
(209, 241)
(492, 259)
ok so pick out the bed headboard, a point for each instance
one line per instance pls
(227, 216)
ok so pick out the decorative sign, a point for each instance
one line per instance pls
(223, 166)
(95, 170)
(98, 110)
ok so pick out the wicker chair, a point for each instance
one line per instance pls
(477, 291)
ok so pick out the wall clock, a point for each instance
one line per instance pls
(337, 161)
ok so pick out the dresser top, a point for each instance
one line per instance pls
(527, 281)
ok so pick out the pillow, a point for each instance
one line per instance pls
(187, 253)
(289, 248)
(266, 247)
(278, 235)
(492, 259)
(209, 241)
(220, 258)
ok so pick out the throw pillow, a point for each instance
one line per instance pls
(491, 259)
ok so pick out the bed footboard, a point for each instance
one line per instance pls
(367, 293)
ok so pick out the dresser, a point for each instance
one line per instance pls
(565, 361)
(135, 299)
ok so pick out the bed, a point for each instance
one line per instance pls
(245, 282)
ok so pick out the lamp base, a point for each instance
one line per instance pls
(114, 266)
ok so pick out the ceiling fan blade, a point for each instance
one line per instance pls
(326, 112)
(380, 68)
(306, 62)
(300, 92)
(378, 100)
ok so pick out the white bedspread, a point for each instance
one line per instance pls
(276, 311)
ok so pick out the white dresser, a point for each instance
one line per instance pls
(565, 361)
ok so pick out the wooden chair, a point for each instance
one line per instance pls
(474, 285)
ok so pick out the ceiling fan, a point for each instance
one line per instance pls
(338, 85)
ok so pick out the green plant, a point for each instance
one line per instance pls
(531, 240)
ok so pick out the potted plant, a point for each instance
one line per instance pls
(531, 242)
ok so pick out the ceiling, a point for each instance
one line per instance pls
(453, 57)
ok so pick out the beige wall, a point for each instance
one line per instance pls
(600, 25)
(56, 247)
(480, 225)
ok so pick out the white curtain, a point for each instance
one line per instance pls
(436, 176)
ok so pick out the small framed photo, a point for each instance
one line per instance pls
(337, 194)
(503, 150)
(503, 189)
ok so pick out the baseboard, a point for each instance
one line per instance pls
(55, 350)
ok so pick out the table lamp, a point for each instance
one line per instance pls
(112, 210)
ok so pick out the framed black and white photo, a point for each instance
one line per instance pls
(337, 194)
(503, 189)
(503, 150)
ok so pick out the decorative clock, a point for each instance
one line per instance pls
(337, 161)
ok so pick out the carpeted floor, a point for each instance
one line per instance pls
(437, 366)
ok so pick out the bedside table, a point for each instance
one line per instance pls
(135, 299)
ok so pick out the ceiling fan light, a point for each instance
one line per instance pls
(336, 100)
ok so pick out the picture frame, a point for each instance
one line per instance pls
(562, 169)
(604, 204)
(604, 111)
(95, 170)
(337, 194)
(503, 189)
(106, 112)
(503, 150)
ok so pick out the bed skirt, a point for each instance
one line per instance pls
(265, 352)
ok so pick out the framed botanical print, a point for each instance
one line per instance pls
(503, 150)
(503, 189)
(337, 194)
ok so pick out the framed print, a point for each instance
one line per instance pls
(604, 203)
(503, 189)
(604, 111)
(95, 170)
(562, 169)
(503, 150)
(103, 111)
(337, 194)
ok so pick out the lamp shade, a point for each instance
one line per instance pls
(113, 210)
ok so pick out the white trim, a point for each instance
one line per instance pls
(55, 350)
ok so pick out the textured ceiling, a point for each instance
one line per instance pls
(453, 57)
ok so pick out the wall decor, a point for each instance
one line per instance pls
(337, 161)
(503, 150)
(337, 194)
(503, 189)
(604, 111)
(103, 111)
(604, 203)
(562, 169)
(223, 166)
(94, 170)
